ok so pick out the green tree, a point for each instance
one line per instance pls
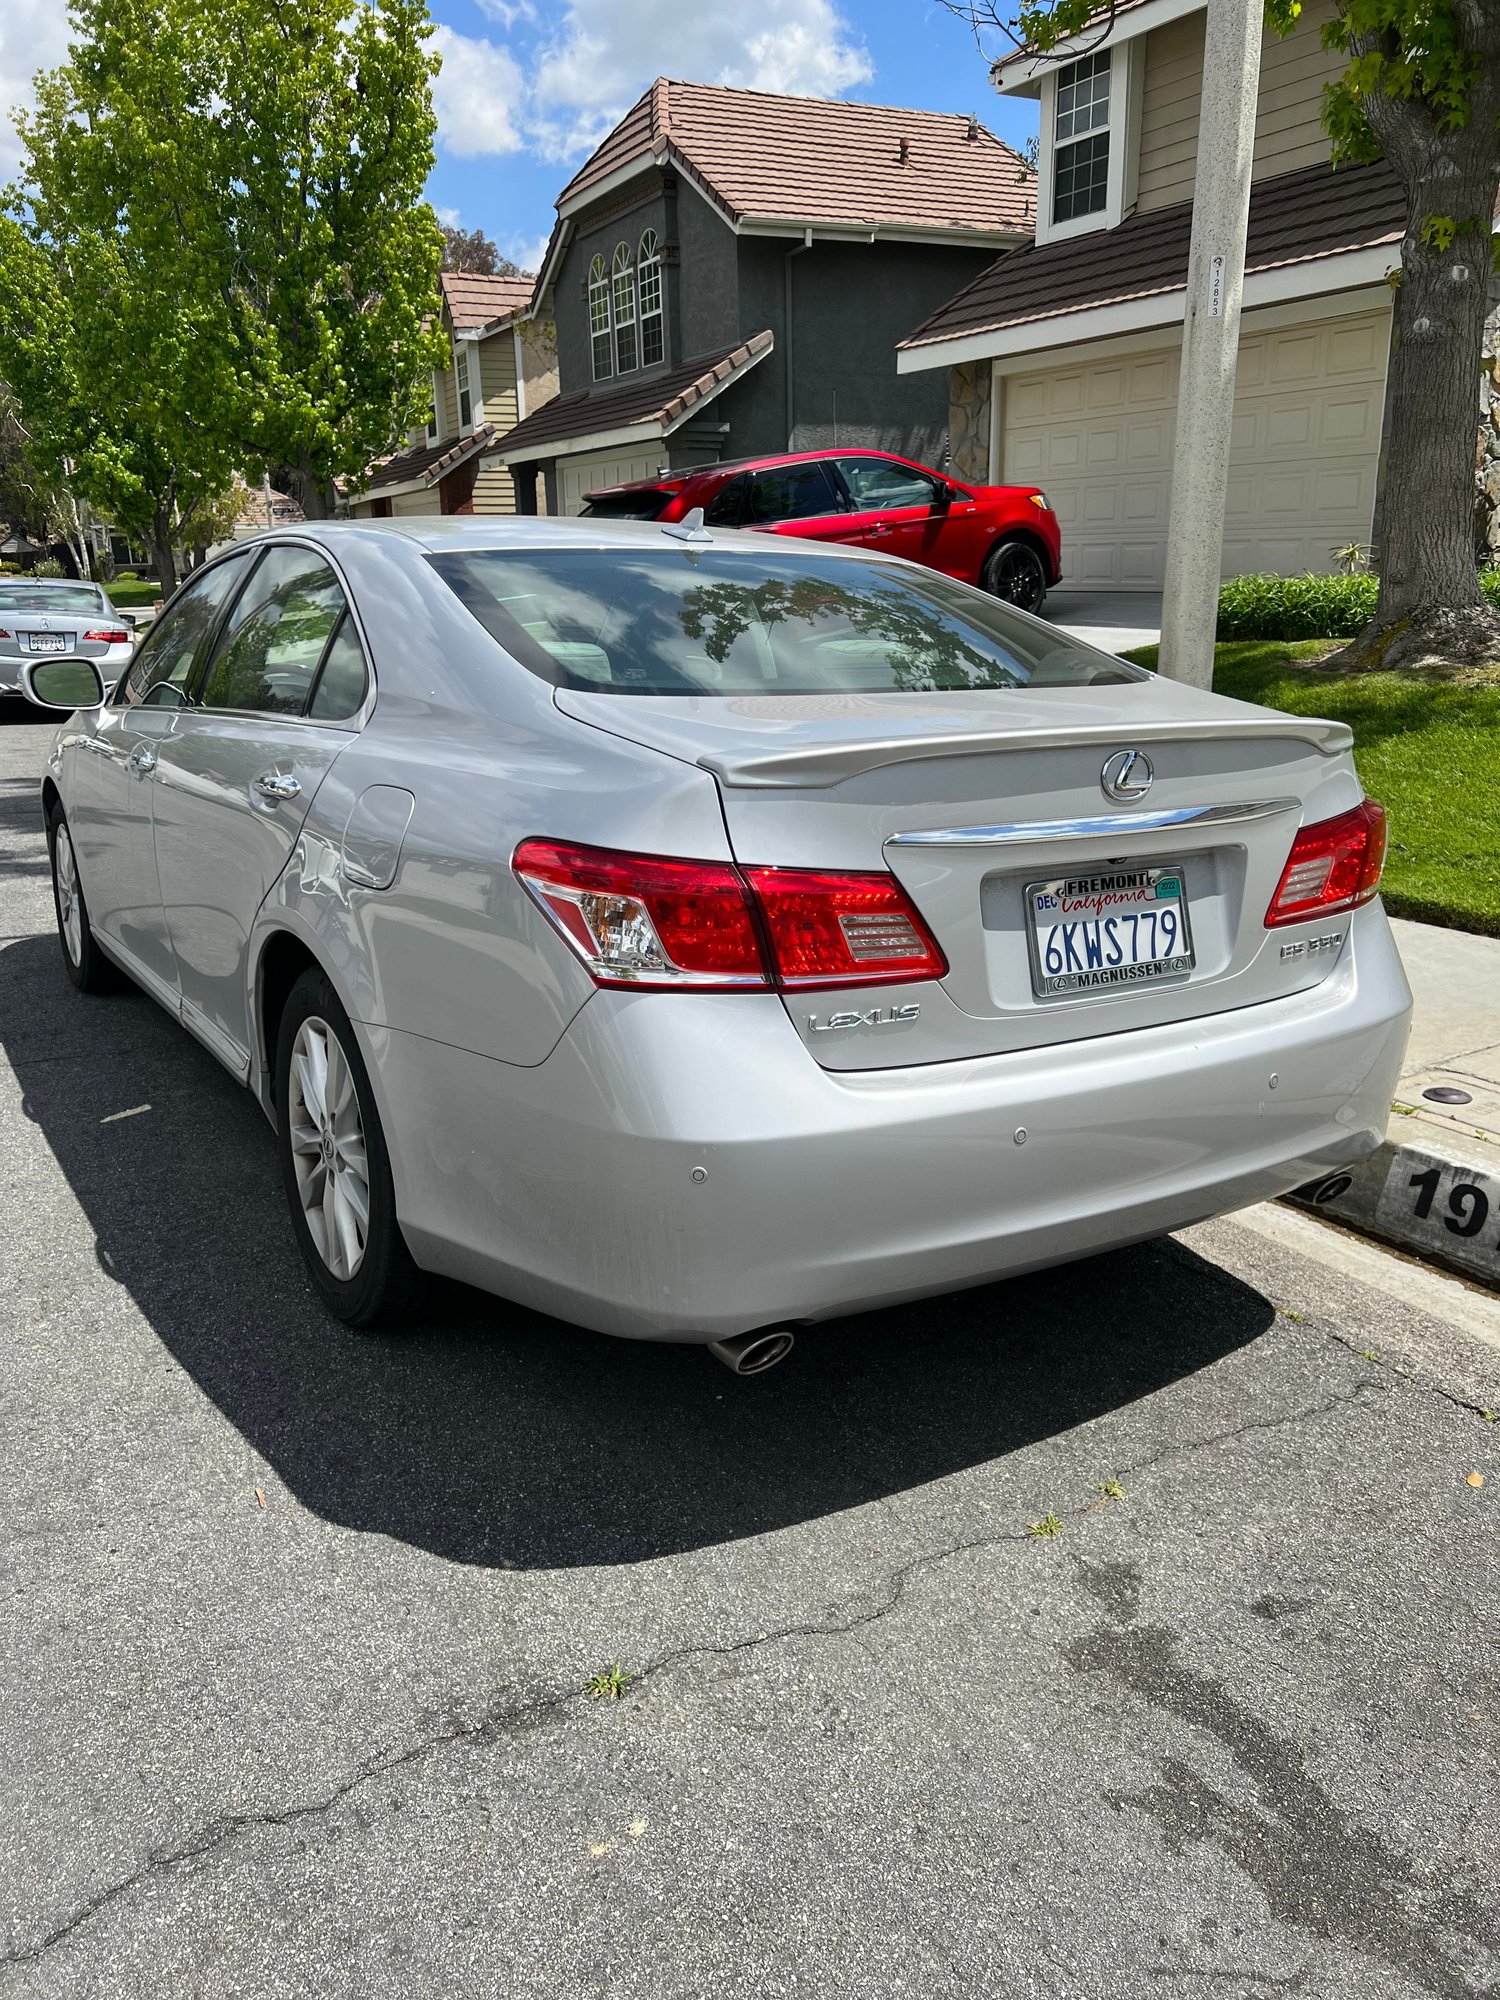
(234, 188)
(88, 435)
(1422, 88)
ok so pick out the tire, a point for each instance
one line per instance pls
(1015, 573)
(87, 967)
(336, 1170)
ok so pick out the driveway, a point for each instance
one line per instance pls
(300, 1624)
(1114, 620)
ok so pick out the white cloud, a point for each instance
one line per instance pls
(477, 95)
(33, 36)
(507, 12)
(449, 217)
(605, 52)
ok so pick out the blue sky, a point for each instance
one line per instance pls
(528, 87)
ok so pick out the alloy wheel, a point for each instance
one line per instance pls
(329, 1154)
(1017, 577)
(69, 906)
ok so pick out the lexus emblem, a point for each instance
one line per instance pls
(1126, 775)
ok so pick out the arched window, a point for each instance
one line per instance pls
(599, 336)
(648, 280)
(626, 356)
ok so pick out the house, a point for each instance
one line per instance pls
(1064, 354)
(730, 272)
(500, 365)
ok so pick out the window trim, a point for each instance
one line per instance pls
(648, 260)
(623, 274)
(600, 280)
(439, 408)
(1123, 129)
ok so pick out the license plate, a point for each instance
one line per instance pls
(1121, 928)
(47, 642)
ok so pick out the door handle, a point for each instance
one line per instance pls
(277, 785)
(143, 759)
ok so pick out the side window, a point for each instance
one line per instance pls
(791, 493)
(270, 649)
(878, 483)
(724, 510)
(341, 684)
(161, 670)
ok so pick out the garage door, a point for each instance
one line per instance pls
(1307, 418)
(577, 476)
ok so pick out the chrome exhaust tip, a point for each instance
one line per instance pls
(753, 1353)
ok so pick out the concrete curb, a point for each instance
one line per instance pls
(1423, 1198)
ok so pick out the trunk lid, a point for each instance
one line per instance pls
(971, 799)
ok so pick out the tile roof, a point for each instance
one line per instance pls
(475, 299)
(1294, 218)
(427, 462)
(662, 401)
(819, 160)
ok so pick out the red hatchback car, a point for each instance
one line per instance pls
(1004, 538)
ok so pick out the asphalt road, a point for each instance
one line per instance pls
(1230, 1733)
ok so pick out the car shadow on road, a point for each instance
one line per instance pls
(493, 1435)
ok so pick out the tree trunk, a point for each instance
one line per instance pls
(315, 496)
(163, 551)
(1431, 610)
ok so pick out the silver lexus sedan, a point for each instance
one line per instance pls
(695, 936)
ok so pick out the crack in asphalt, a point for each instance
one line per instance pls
(501, 1721)
(1410, 1376)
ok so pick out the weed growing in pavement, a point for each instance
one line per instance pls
(1048, 1525)
(1111, 1489)
(609, 1685)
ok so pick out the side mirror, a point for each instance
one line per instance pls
(63, 684)
(944, 497)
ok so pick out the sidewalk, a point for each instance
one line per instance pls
(1434, 1187)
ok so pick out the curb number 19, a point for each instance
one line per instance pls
(1468, 1206)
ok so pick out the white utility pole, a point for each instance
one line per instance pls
(1210, 340)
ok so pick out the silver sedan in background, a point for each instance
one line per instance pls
(697, 936)
(48, 617)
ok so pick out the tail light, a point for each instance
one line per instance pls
(843, 930)
(640, 920)
(109, 635)
(1334, 865)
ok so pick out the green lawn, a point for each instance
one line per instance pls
(1429, 750)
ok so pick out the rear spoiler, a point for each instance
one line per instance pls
(819, 765)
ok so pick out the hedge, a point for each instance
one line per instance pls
(1307, 607)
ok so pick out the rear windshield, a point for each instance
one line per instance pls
(51, 597)
(714, 621)
(640, 504)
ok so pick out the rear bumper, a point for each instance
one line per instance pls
(570, 1187)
